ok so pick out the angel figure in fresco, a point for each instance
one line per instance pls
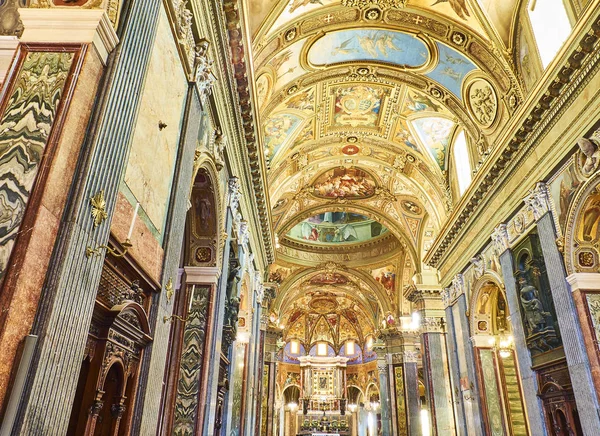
(295, 4)
(418, 103)
(458, 6)
(343, 48)
(278, 61)
(452, 74)
(590, 220)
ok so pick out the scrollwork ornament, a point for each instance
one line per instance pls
(234, 190)
(500, 239)
(537, 200)
(203, 74)
(382, 4)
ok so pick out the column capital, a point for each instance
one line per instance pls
(410, 356)
(500, 238)
(584, 281)
(70, 26)
(537, 200)
(201, 275)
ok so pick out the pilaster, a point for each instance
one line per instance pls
(575, 351)
(64, 315)
(411, 386)
(529, 382)
(67, 26)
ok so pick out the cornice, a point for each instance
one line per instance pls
(223, 22)
(564, 76)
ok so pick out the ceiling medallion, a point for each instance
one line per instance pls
(373, 14)
(292, 89)
(290, 35)
(458, 38)
(350, 149)
(383, 4)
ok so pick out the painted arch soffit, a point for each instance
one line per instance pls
(336, 279)
(270, 17)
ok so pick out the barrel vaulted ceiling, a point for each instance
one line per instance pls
(360, 102)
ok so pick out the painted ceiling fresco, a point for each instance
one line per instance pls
(359, 108)
(336, 228)
(378, 45)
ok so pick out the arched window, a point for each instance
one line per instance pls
(461, 162)
(551, 27)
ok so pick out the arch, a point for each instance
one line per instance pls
(138, 312)
(581, 234)
(382, 298)
(202, 241)
(355, 207)
(477, 297)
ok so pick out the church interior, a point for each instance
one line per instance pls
(300, 217)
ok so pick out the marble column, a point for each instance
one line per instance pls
(411, 387)
(428, 302)
(464, 375)
(457, 398)
(155, 357)
(585, 289)
(568, 321)
(385, 405)
(208, 404)
(68, 294)
(529, 383)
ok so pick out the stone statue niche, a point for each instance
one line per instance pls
(232, 302)
(535, 297)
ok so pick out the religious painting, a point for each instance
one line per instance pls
(263, 90)
(278, 273)
(287, 65)
(351, 45)
(451, 69)
(337, 228)
(304, 101)
(562, 191)
(328, 278)
(204, 217)
(458, 6)
(492, 397)
(404, 136)
(435, 133)
(387, 277)
(411, 207)
(345, 183)
(278, 128)
(306, 134)
(418, 102)
(296, 8)
(588, 227)
(357, 105)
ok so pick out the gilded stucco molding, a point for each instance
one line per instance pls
(237, 44)
(540, 114)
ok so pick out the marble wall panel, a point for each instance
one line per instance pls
(151, 164)
(25, 128)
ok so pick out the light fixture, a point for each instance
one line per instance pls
(352, 407)
(369, 343)
(505, 346)
(292, 406)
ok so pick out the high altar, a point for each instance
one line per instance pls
(323, 395)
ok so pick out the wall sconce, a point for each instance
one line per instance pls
(172, 317)
(89, 251)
